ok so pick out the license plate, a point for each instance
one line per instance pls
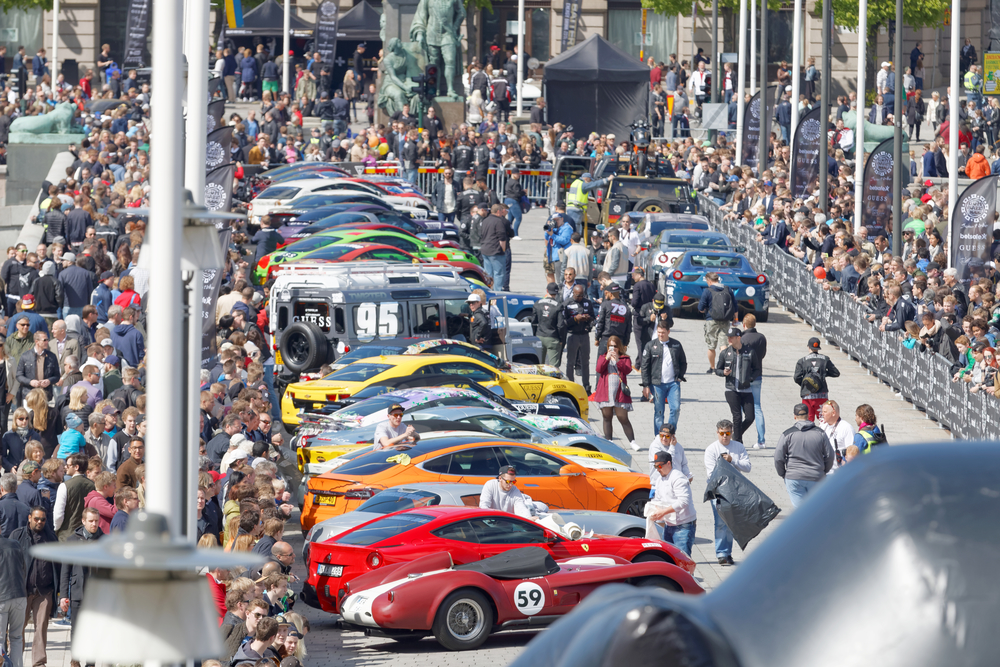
(323, 499)
(277, 357)
(435, 237)
(325, 570)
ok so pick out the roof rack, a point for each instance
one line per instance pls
(386, 273)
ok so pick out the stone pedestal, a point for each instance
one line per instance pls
(451, 112)
(28, 165)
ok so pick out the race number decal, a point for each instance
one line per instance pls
(383, 321)
(529, 598)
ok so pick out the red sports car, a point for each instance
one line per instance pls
(462, 604)
(469, 534)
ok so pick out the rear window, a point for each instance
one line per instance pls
(357, 372)
(717, 261)
(331, 252)
(335, 220)
(667, 191)
(279, 192)
(369, 351)
(391, 501)
(693, 241)
(309, 244)
(384, 529)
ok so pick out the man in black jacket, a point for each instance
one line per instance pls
(466, 201)
(740, 366)
(662, 374)
(493, 245)
(756, 343)
(613, 319)
(642, 294)
(549, 325)
(13, 599)
(811, 372)
(13, 512)
(341, 113)
(901, 311)
(479, 323)
(42, 578)
(73, 577)
(461, 157)
(578, 315)
(29, 369)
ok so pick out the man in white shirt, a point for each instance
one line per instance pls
(666, 441)
(672, 505)
(503, 495)
(881, 79)
(392, 432)
(839, 431)
(734, 452)
(630, 239)
(698, 83)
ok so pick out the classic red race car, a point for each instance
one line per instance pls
(462, 604)
(468, 534)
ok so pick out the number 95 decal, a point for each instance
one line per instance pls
(529, 598)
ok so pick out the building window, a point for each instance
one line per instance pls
(539, 31)
(624, 26)
(22, 27)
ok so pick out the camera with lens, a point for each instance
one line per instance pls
(546, 227)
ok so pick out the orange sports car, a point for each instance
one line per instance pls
(542, 475)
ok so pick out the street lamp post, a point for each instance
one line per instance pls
(796, 63)
(765, 93)
(897, 137)
(741, 83)
(753, 47)
(286, 58)
(196, 50)
(824, 114)
(859, 126)
(520, 56)
(956, 19)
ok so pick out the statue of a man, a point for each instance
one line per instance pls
(395, 87)
(436, 27)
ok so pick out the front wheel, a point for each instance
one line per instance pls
(665, 583)
(464, 620)
(634, 503)
(762, 315)
(640, 164)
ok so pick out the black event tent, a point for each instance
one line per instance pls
(596, 87)
(266, 20)
(360, 23)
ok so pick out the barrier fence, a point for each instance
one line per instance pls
(534, 181)
(924, 379)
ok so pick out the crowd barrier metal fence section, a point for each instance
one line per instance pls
(921, 378)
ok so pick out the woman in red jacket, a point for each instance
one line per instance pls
(613, 395)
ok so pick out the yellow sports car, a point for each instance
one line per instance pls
(348, 380)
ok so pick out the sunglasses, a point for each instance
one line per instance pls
(725, 432)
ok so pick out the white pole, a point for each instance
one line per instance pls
(55, 40)
(859, 127)
(753, 47)
(796, 64)
(196, 50)
(286, 44)
(520, 54)
(165, 434)
(956, 19)
(741, 82)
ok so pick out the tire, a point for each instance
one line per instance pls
(650, 205)
(525, 316)
(650, 557)
(634, 503)
(464, 620)
(563, 399)
(762, 315)
(640, 164)
(665, 583)
(304, 347)
(633, 533)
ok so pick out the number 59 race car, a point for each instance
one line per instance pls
(462, 604)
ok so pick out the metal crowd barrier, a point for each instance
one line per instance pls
(923, 379)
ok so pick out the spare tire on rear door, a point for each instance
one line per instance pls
(303, 347)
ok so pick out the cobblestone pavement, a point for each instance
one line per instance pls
(703, 404)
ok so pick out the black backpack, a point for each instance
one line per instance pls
(813, 379)
(720, 305)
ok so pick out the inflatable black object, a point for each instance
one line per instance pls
(745, 509)
(891, 562)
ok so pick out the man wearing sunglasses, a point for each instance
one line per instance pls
(672, 505)
(503, 495)
(734, 452)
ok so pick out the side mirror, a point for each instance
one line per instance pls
(572, 470)
(741, 248)
(551, 538)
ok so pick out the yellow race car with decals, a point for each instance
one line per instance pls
(343, 383)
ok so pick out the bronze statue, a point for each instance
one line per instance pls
(436, 27)
(395, 86)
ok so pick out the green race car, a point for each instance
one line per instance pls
(396, 238)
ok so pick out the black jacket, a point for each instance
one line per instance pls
(647, 312)
(492, 232)
(820, 365)
(73, 577)
(409, 155)
(23, 537)
(513, 190)
(55, 225)
(13, 514)
(900, 313)
(572, 308)
(466, 199)
(26, 372)
(48, 295)
(755, 341)
(461, 159)
(748, 371)
(547, 319)
(614, 319)
(12, 574)
(652, 361)
(480, 330)
(642, 293)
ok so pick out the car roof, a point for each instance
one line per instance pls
(435, 445)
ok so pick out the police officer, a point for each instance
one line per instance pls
(481, 158)
(649, 315)
(549, 325)
(613, 319)
(464, 206)
(479, 325)
(576, 198)
(462, 157)
(578, 315)
(972, 83)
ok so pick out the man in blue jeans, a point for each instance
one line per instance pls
(663, 366)
(493, 240)
(756, 343)
(672, 505)
(803, 456)
(734, 452)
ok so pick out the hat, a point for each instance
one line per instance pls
(933, 265)
(473, 298)
(73, 420)
(237, 439)
(552, 288)
(61, 240)
(30, 467)
(112, 359)
(507, 470)
(291, 661)
(813, 344)
(257, 298)
(734, 332)
(68, 257)
(107, 274)
(396, 407)
(587, 174)
(27, 302)
(109, 409)
(800, 410)
(663, 457)
(658, 298)
(107, 343)
(614, 288)
(885, 64)
(237, 455)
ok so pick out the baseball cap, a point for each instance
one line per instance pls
(27, 302)
(68, 257)
(107, 274)
(238, 455)
(107, 343)
(734, 332)
(663, 457)
(109, 409)
(473, 298)
(112, 359)
(614, 287)
(507, 470)
(28, 468)
(552, 288)
(395, 407)
(800, 409)
(60, 240)
(813, 344)
(587, 174)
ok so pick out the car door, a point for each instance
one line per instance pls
(425, 318)
(497, 534)
(539, 476)
(461, 540)
(388, 255)
(396, 242)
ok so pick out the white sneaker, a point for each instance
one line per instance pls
(634, 445)
(760, 445)
(516, 238)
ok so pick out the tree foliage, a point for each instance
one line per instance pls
(916, 13)
(683, 7)
(7, 5)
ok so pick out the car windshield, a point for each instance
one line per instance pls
(357, 372)
(718, 262)
(334, 221)
(383, 529)
(657, 226)
(393, 500)
(369, 351)
(279, 192)
(309, 244)
(650, 188)
(675, 240)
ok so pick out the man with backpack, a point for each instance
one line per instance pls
(811, 372)
(719, 306)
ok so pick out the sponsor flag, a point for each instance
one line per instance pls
(219, 188)
(876, 195)
(751, 132)
(136, 33)
(325, 32)
(570, 23)
(805, 154)
(216, 110)
(972, 228)
(212, 283)
(218, 148)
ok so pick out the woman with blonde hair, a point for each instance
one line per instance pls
(301, 626)
(15, 442)
(33, 452)
(77, 405)
(350, 88)
(43, 420)
(243, 543)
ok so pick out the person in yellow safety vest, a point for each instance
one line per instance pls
(869, 435)
(973, 82)
(576, 198)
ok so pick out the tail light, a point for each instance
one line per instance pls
(374, 559)
(264, 261)
(441, 256)
(356, 494)
(336, 397)
(761, 279)
(283, 244)
(678, 275)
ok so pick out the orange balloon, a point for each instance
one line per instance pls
(819, 272)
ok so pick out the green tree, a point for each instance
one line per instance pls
(728, 15)
(6, 5)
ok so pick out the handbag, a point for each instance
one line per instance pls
(525, 203)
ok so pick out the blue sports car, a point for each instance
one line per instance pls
(664, 249)
(685, 281)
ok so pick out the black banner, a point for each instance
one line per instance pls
(876, 196)
(219, 188)
(325, 32)
(136, 33)
(570, 23)
(972, 228)
(218, 148)
(212, 282)
(216, 110)
(751, 132)
(805, 154)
